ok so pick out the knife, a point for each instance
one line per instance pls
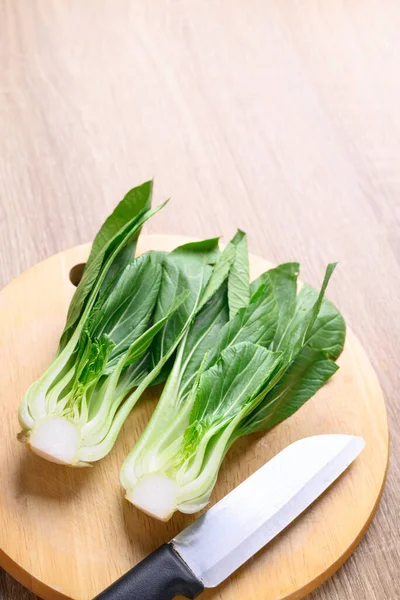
(233, 530)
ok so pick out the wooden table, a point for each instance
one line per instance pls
(281, 117)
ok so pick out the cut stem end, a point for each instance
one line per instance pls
(56, 439)
(156, 495)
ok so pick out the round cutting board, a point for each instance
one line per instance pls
(69, 533)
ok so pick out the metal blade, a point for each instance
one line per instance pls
(228, 534)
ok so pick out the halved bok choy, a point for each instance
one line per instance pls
(73, 413)
(253, 355)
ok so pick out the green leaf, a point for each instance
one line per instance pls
(219, 273)
(134, 203)
(215, 287)
(308, 373)
(329, 330)
(299, 329)
(202, 338)
(239, 278)
(231, 383)
(284, 282)
(125, 312)
(137, 200)
(140, 345)
(112, 248)
(232, 264)
(96, 271)
(298, 332)
(188, 267)
(255, 322)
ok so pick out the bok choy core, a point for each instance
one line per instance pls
(252, 356)
(73, 413)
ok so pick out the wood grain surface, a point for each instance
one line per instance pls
(281, 117)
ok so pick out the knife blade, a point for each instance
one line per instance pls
(228, 534)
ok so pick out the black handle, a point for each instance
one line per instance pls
(160, 576)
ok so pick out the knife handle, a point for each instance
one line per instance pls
(160, 576)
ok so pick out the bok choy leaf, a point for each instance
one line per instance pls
(73, 413)
(253, 355)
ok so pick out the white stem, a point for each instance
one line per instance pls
(163, 414)
(56, 439)
(36, 396)
(155, 494)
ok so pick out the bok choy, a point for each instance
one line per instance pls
(73, 413)
(252, 356)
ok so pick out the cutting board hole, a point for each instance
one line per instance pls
(75, 274)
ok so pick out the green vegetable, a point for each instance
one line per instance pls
(73, 413)
(253, 355)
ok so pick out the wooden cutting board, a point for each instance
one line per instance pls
(68, 533)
